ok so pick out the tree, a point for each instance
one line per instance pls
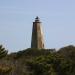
(3, 51)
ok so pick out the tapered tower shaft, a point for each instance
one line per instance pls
(37, 35)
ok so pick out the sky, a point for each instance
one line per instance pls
(17, 17)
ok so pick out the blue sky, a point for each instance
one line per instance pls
(17, 16)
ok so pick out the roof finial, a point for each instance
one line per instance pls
(37, 19)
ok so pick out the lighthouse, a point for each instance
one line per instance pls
(37, 40)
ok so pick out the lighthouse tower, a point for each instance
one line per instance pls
(37, 35)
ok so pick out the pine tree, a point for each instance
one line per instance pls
(3, 51)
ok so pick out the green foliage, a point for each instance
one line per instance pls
(33, 52)
(3, 52)
(53, 64)
(41, 62)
